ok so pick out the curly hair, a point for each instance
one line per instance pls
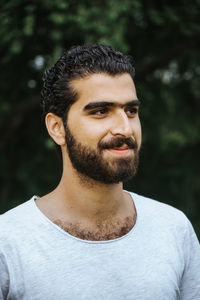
(57, 95)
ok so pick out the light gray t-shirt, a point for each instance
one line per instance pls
(159, 259)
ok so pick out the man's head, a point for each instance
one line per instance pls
(58, 95)
(91, 90)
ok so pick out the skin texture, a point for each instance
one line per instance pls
(87, 208)
(103, 231)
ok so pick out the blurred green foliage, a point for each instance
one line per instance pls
(164, 39)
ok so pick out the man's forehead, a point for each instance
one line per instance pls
(103, 87)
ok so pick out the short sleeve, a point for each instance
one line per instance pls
(190, 283)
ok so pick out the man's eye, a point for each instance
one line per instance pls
(99, 112)
(132, 110)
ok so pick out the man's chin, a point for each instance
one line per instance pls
(119, 170)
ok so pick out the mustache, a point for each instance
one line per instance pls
(118, 142)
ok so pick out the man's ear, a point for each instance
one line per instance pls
(55, 128)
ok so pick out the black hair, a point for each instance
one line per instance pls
(57, 95)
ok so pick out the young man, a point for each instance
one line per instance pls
(90, 239)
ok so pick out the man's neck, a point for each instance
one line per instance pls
(92, 211)
(90, 198)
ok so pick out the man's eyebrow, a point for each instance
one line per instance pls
(93, 105)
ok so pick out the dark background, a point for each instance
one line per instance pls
(162, 36)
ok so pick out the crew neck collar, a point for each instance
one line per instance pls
(56, 227)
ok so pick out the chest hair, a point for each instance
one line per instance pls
(103, 230)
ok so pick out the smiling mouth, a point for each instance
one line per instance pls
(120, 151)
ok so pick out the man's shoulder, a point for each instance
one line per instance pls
(155, 205)
(158, 212)
(18, 210)
(16, 217)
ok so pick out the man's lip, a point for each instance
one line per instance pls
(123, 147)
(121, 151)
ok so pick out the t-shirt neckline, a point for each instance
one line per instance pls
(88, 241)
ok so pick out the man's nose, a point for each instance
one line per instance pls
(121, 125)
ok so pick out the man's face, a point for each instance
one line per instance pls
(103, 132)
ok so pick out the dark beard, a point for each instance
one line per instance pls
(92, 164)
